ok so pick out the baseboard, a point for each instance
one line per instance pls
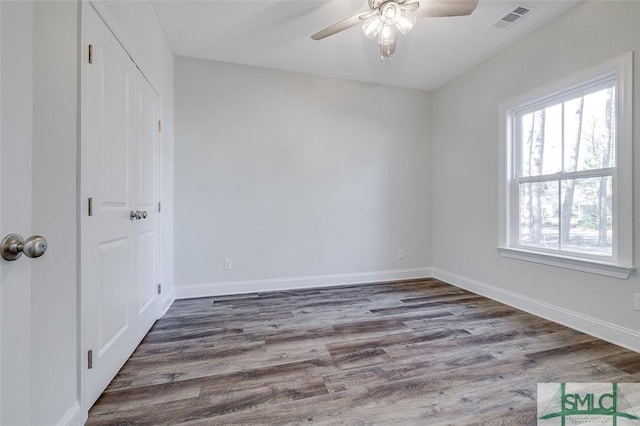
(73, 416)
(256, 286)
(625, 337)
(167, 302)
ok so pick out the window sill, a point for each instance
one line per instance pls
(590, 266)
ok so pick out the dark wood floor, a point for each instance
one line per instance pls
(419, 352)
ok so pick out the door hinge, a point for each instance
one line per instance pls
(90, 359)
(159, 288)
(91, 53)
(90, 206)
(159, 125)
(159, 206)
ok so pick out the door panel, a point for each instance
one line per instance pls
(106, 249)
(119, 175)
(147, 148)
(112, 304)
(114, 78)
(146, 276)
(144, 233)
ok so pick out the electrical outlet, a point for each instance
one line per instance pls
(228, 264)
(636, 301)
(400, 253)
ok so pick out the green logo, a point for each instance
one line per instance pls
(588, 403)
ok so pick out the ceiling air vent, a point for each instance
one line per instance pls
(512, 17)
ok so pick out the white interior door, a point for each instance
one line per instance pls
(119, 224)
(106, 266)
(16, 65)
(144, 132)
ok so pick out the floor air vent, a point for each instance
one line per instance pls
(512, 17)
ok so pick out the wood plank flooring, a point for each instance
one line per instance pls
(415, 352)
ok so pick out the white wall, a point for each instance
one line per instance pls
(465, 172)
(294, 176)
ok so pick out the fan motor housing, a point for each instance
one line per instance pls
(377, 4)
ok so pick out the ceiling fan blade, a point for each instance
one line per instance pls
(345, 24)
(440, 8)
(410, 6)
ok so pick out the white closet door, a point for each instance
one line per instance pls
(144, 131)
(118, 169)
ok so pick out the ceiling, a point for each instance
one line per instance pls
(276, 34)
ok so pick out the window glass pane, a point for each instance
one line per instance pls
(590, 131)
(525, 138)
(552, 153)
(561, 149)
(586, 218)
(541, 141)
(573, 122)
(539, 225)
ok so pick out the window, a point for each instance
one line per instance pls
(566, 178)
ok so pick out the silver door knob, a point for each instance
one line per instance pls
(14, 246)
(137, 214)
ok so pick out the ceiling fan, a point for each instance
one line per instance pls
(387, 16)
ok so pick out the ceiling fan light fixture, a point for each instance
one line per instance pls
(386, 50)
(387, 35)
(405, 22)
(385, 17)
(372, 26)
(390, 12)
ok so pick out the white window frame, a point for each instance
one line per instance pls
(620, 265)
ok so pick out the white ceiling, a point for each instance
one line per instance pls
(276, 34)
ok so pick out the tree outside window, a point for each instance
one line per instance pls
(566, 152)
